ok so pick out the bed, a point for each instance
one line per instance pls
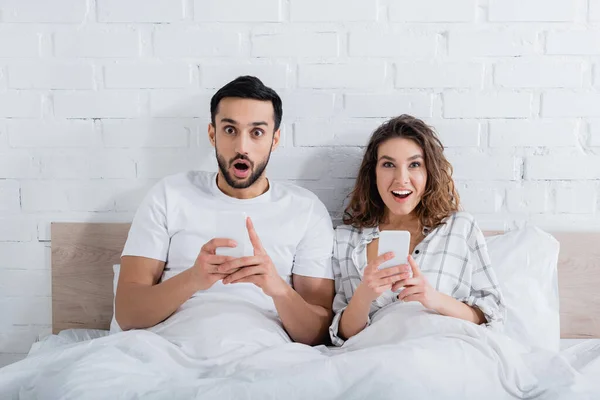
(82, 302)
(82, 277)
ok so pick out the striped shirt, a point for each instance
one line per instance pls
(452, 257)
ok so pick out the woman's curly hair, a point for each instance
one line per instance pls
(440, 199)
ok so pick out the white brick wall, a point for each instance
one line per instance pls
(363, 75)
(487, 105)
(19, 41)
(57, 11)
(595, 10)
(432, 11)
(438, 75)
(542, 74)
(573, 42)
(99, 99)
(97, 42)
(237, 11)
(139, 11)
(571, 104)
(333, 10)
(493, 42)
(532, 10)
(378, 42)
(295, 43)
(174, 41)
(34, 75)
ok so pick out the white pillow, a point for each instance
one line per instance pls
(114, 326)
(525, 262)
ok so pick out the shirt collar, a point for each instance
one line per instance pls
(368, 234)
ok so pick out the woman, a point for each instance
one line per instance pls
(405, 183)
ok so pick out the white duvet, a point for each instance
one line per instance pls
(219, 349)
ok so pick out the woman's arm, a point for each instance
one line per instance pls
(418, 289)
(449, 306)
(375, 282)
(356, 316)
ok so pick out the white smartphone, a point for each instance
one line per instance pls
(397, 242)
(232, 225)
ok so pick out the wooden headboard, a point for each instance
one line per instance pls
(83, 255)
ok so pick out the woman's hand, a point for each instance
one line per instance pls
(418, 289)
(376, 281)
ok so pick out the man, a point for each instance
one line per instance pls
(172, 253)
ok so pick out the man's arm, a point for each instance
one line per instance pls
(306, 311)
(141, 302)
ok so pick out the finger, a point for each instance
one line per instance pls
(211, 246)
(238, 263)
(409, 281)
(218, 260)
(388, 281)
(243, 273)
(414, 297)
(397, 270)
(374, 264)
(399, 282)
(409, 291)
(214, 270)
(413, 264)
(254, 239)
(217, 277)
(255, 279)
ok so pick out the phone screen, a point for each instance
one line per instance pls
(397, 242)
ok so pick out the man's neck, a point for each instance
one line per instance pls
(259, 187)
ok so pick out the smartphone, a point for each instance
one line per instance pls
(397, 242)
(232, 225)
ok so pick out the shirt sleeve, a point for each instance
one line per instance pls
(485, 289)
(148, 236)
(340, 301)
(313, 254)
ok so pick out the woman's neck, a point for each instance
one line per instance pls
(409, 223)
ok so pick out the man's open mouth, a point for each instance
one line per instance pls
(241, 168)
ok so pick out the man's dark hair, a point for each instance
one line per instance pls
(247, 87)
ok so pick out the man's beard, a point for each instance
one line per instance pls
(246, 183)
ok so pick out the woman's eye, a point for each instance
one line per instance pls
(415, 164)
(230, 130)
(387, 164)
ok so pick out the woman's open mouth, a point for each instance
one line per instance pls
(401, 195)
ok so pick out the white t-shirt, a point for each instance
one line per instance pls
(180, 213)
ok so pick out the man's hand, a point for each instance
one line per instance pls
(258, 269)
(418, 289)
(207, 263)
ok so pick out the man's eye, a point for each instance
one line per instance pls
(230, 130)
(258, 133)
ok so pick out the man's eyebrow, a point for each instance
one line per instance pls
(234, 122)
